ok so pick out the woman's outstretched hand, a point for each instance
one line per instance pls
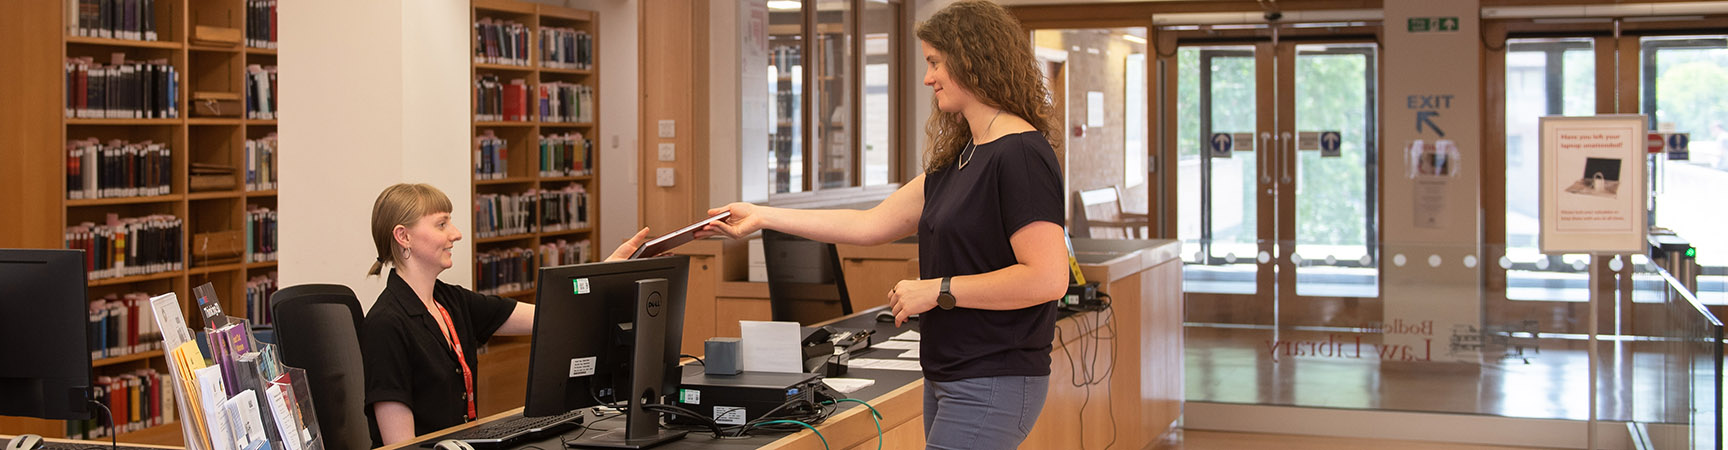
(746, 219)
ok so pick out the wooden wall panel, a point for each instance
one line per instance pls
(674, 36)
(30, 132)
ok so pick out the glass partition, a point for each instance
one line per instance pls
(1454, 348)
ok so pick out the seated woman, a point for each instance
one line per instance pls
(419, 339)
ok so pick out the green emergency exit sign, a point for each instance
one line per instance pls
(1432, 24)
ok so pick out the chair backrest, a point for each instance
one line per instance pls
(1098, 215)
(804, 279)
(318, 329)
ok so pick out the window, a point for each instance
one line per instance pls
(833, 75)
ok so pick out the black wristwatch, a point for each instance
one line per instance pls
(945, 299)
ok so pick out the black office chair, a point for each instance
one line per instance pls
(804, 279)
(318, 329)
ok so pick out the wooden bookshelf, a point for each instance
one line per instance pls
(39, 40)
(524, 136)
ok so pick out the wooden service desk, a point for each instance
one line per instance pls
(1135, 396)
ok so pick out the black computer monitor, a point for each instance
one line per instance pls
(44, 342)
(609, 331)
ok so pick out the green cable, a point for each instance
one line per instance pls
(805, 425)
(874, 415)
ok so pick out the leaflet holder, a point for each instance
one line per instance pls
(285, 404)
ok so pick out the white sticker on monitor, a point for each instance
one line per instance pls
(582, 286)
(582, 367)
(690, 396)
(729, 415)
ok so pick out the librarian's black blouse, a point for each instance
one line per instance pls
(408, 360)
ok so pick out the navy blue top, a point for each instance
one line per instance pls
(968, 216)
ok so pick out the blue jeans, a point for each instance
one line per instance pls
(982, 413)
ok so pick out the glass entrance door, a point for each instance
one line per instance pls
(1277, 172)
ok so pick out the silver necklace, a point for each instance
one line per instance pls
(971, 144)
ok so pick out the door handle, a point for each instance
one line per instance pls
(1285, 140)
(1265, 163)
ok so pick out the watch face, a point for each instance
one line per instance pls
(945, 300)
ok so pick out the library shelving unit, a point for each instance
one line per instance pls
(526, 167)
(43, 37)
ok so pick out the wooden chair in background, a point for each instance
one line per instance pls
(1098, 215)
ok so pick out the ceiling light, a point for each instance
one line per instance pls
(784, 5)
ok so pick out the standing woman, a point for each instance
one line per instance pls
(988, 214)
(419, 339)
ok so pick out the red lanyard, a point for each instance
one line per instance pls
(456, 344)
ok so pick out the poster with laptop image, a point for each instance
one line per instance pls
(1592, 184)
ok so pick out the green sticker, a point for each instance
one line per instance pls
(1418, 24)
(582, 286)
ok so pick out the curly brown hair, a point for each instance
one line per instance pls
(990, 55)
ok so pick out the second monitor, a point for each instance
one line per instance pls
(609, 332)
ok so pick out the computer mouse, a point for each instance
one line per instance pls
(25, 442)
(452, 444)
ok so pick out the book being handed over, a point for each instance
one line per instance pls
(674, 239)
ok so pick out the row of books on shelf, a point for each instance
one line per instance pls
(566, 155)
(247, 399)
(566, 48)
(260, 234)
(500, 102)
(121, 325)
(513, 269)
(129, 247)
(500, 42)
(261, 92)
(139, 399)
(259, 289)
(548, 210)
(260, 160)
(784, 110)
(566, 102)
(261, 23)
(117, 169)
(491, 156)
(121, 89)
(505, 270)
(113, 19)
(504, 214)
(561, 155)
(564, 253)
(564, 209)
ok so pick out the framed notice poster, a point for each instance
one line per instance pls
(1593, 188)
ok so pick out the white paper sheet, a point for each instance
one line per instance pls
(284, 417)
(848, 385)
(886, 364)
(213, 395)
(170, 320)
(896, 345)
(909, 354)
(771, 346)
(244, 406)
(909, 335)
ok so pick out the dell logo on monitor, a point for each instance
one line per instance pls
(654, 302)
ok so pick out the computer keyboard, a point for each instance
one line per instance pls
(515, 429)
